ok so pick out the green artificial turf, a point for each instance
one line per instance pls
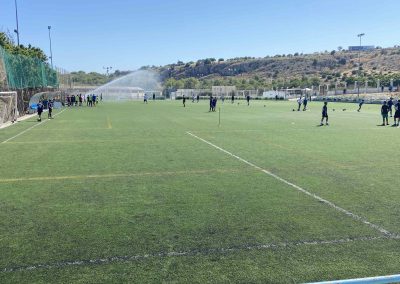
(126, 180)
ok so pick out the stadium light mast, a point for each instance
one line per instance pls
(16, 19)
(108, 69)
(51, 51)
(359, 65)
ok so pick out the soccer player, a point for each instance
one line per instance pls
(248, 100)
(385, 113)
(145, 98)
(299, 102)
(233, 98)
(397, 113)
(94, 100)
(184, 101)
(154, 96)
(214, 103)
(324, 114)
(198, 98)
(211, 102)
(50, 106)
(305, 103)
(40, 110)
(390, 105)
(360, 105)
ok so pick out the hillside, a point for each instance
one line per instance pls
(288, 70)
(279, 71)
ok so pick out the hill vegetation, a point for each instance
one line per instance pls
(291, 70)
(339, 67)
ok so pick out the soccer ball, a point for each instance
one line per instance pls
(293, 110)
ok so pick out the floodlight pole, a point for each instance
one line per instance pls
(16, 18)
(108, 69)
(51, 51)
(359, 65)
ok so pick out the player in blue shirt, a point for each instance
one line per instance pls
(40, 110)
(360, 105)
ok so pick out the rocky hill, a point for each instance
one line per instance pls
(291, 70)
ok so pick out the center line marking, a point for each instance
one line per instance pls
(327, 202)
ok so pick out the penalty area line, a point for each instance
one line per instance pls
(193, 252)
(26, 130)
(320, 199)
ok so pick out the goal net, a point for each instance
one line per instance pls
(8, 107)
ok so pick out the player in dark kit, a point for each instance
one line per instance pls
(214, 103)
(248, 100)
(233, 98)
(211, 103)
(305, 103)
(385, 113)
(390, 105)
(40, 110)
(50, 106)
(397, 114)
(360, 105)
(324, 114)
(184, 101)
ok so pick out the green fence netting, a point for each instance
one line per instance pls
(26, 72)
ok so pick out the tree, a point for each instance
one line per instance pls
(191, 83)
(315, 81)
(340, 48)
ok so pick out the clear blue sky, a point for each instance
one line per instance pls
(127, 34)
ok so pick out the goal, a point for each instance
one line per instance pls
(8, 107)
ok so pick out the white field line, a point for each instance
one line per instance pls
(194, 252)
(331, 204)
(26, 130)
(121, 175)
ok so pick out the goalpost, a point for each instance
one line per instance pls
(8, 107)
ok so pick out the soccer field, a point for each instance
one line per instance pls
(127, 192)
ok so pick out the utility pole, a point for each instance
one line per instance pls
(16, 18)
(108, 70)
(359, 65)
(51, 51)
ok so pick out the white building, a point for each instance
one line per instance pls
(223, 90)
(188, 93)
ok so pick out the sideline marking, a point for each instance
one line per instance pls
(194, 252)
(26, 130)
(166, 173)
(327, 202)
